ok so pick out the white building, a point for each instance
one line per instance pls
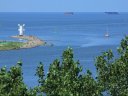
(21, 29)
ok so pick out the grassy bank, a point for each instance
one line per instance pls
(7, 45)
(32, 41)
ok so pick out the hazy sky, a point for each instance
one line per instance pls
(63, 5)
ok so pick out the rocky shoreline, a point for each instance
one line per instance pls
(31, 41)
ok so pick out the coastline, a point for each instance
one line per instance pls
(31, 41)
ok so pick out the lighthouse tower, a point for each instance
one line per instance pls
(21, 29)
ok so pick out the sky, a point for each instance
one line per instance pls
(63, 5)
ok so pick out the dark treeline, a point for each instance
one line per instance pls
(65, 79)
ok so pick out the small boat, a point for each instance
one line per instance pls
(106, 35)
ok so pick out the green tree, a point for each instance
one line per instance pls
(64, 78)
(11, 82)
(113, 73)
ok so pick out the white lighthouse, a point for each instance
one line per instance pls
(21, 29)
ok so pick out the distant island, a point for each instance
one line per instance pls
(112, 13)
(31, 41)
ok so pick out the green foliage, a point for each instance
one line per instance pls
(40, 73)
(6, 45)
(113, 73)
(11, 82)
(64, 78)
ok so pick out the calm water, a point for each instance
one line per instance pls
(84, 32)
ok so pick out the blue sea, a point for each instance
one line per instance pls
(84, 32)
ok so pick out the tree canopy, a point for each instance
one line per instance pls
(64, 78)
(11, 82)
(113, 73)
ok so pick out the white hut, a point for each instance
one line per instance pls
(21, 29)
